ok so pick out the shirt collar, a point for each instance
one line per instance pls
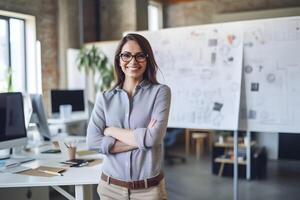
(142, 85)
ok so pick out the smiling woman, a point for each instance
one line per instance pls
(140, 45)
(128, 125)
(133, 68)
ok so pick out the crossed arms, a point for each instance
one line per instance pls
(125, 140)
(115, 140)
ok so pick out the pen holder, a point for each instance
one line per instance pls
(72, 153)
(55, 144)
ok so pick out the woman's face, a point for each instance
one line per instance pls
(132, 60)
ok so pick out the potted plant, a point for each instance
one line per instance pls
(95, 64)
(7, 82)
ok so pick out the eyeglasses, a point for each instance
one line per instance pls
(139, 57)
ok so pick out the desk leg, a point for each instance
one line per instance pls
(221, 169)
(79, 194)
(248, 147)
(83, 192)
(210, 141)
(63, 192)
(187, 142)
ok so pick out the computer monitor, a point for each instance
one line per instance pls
(63, 97)
(39, 117)
(27, 109)
(12, 123)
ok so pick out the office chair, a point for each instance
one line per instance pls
(169, 141)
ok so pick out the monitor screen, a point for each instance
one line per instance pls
(12, 122)
(63, 97)
(39, 117)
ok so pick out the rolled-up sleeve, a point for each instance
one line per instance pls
(95, 131)
(148, 137)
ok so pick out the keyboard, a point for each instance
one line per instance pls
(13, 162)
(15, 169)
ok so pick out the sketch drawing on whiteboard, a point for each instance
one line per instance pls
(271, 71)
(205, 94)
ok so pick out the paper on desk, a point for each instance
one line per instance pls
(38, 171)
(95, 162)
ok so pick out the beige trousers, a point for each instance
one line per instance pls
(114, 192)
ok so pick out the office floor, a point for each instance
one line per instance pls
(193, 181)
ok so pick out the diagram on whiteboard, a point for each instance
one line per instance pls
(271, 95)
(203, 67)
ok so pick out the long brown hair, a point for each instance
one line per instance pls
(151, 67)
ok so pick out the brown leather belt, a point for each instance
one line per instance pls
(141, 184)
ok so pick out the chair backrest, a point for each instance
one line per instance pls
(171, 135)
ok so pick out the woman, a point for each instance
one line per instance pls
(128, 125)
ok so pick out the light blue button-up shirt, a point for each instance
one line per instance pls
(115, 109)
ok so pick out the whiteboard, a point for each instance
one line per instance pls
(75, 77)
(270, 88)
(203, 67)
(270, 99)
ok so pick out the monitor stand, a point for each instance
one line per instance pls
(10, 153)
(13, 153)
(5, 154)
(13, 158)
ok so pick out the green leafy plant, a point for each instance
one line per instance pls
(9, 79)
(94, 60)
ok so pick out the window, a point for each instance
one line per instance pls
(154, 16)
(12, 47)
(18, 52)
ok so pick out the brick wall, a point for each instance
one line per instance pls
(116, 17)
(189, 13)
(201, 11)
(225, 6)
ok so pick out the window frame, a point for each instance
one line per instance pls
(32, 55)
(8, 37)
(159, 7)
(7, 19)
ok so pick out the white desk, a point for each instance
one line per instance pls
(79, 177)
(75, 117)
(75, 124)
